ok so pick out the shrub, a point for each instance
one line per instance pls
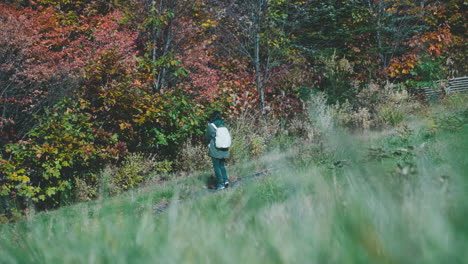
(193, 157)
(85, 192)
(376, 107)
(321, 116)
(105, 185)
(301, 128)
(345, 115)
(240, 149)
(43, 167)
(163, 167)
(241, 130)
(251, 136)
(257, 144)
(336, 74)
(389, 114)
(371, 97)
(132, 172)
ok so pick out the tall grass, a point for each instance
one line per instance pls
(404, 201)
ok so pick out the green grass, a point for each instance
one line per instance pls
(402, 201)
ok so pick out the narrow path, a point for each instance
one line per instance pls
(161, 208)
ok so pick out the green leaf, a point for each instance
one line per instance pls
(50, 191)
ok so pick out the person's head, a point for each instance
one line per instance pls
(216, 115)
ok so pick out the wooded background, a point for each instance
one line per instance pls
(85, 83)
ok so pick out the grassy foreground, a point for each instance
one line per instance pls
(398, 196)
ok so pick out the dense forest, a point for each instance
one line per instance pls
(94, 85)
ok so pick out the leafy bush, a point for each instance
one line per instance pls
(163, 167)
(85, 192)
(136, 170)
(336, 81)
(124, 103)
(133, 171)
(240, 149)
(257, 144)
(428, 70)
(65, 143)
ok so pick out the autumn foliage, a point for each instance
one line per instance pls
(83, 84)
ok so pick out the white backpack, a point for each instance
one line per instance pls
(223, 138)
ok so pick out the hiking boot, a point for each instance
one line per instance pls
(226, 184)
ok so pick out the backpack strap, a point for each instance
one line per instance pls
(214, 126)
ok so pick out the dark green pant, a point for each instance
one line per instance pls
(220, 171)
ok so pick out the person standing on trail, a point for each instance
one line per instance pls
(219, 141)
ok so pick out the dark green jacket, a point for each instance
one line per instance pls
(210, 138)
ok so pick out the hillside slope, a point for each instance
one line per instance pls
(394, 196)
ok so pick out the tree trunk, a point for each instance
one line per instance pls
(258, 72)
(379, 34)
(154, 48)
(162, 40)
(257, 15)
